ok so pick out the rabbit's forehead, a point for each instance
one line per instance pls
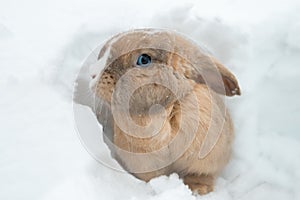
(164, 45)
(142, 40)
(168, 40)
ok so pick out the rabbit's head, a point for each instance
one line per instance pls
(148, 67)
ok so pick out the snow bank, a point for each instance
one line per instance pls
(43, 46)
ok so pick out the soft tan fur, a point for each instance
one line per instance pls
(193, 111)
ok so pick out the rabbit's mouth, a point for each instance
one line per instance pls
(151, 98)
(144, 89)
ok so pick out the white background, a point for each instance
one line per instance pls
(43, 44)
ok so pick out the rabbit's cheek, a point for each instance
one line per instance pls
(104, 87)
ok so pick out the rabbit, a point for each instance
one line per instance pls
(167, 113)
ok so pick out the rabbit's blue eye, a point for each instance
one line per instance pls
(143, 60)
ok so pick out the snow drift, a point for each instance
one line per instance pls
(42, 50)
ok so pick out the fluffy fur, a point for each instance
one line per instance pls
(191, 132)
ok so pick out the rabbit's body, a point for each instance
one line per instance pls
(189, 162)
(191, 132)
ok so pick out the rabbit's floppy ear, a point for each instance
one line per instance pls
(211, 72)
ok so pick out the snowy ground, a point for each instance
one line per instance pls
(43, 44)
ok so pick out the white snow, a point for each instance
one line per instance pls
(43, 45)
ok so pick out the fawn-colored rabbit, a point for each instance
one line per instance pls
(165, 96)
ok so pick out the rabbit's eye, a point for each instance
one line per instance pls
(143, 60)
